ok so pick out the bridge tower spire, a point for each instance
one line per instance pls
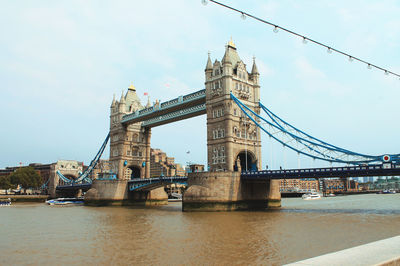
(230, 136)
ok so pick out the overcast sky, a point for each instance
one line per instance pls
(62, 61)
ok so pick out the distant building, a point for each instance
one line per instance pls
(293, 185)
(193, 168)
(339, 185)
(69, 168)
(162, 165)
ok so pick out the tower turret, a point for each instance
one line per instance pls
(113, 102)
(121, 106)
(209, 68)
(209, 64)
(254, 72)
(148, 102)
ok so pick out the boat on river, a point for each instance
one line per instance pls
(330, 195)
(65, 201)
(311, 196)
(387, 191)
(175, 197)
(5, 202)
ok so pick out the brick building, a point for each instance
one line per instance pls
(308, 184)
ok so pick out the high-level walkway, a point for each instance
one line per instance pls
(183, 107)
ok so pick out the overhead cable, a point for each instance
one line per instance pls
(305, 39)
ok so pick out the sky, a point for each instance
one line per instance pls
(61, 62)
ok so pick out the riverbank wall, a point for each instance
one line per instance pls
(25, 198)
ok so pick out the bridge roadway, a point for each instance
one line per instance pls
(74, 187)
(180, 108)
(329, 172)
(146, 184)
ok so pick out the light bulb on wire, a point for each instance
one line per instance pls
(305, 39)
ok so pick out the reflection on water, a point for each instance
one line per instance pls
(41, 234)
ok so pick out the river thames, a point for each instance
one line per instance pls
(36, 233)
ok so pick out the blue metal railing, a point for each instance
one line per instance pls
(143, 183)
(165, 105)
(85, 175)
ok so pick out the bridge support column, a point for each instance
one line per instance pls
(225, 191)
(107, 192)
(148, 151)
(274, 194)
(53, 182)
(156, 196)
(79, 193)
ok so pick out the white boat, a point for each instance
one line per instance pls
(5, 202)
(311, 196)
(175, 197)
(65, 201)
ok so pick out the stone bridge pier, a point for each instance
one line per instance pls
(116, 193)
(225, 191)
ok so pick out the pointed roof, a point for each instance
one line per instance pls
(148, 102)
(231, 55)
(254, 70)
(113, 101)
(132, 100)
(209, 64)
(131, 87)
(122, 99)
(231, 43)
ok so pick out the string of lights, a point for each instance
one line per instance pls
(305, 39)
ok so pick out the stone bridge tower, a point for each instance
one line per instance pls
(129, 145)
(233, 141)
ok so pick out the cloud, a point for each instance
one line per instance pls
(315, 81)
(61, 62)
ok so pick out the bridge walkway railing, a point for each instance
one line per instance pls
(184, 101)
(387, 169)
(137, 184)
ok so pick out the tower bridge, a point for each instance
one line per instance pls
(235, 179)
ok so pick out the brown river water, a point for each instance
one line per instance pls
(37, 234)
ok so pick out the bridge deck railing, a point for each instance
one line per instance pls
(175, 114)
(149, 183)
(165, 105)
(345, 171)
